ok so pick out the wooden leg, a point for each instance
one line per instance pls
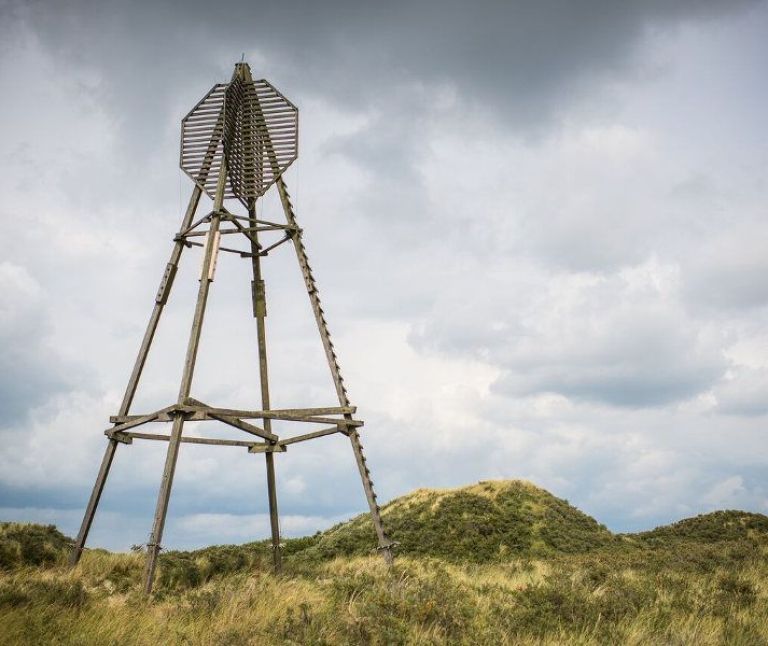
(206, 276)
(385, 545)
(133, 382)
(260, 313)
(273, 517)
(93, 503)
(153, 547)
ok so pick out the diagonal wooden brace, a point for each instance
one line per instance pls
(138, 421)
(244, 426)
(195, 406)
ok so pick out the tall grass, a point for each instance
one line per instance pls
(561, 579)
(607, 598)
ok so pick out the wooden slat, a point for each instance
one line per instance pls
(244, 426)
(260, 414)
(189, 440)
(309, 436)
(139, 420)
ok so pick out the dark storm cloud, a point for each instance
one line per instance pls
(521, 58)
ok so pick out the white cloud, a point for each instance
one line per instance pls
(723, 493)
(744, 391)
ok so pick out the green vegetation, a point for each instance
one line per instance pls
(22, 544)
(495, 563)
(489, 521)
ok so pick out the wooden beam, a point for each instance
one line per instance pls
(206, 276)
(333, 364)
(93, 503)
(137, 421)
(161, 417)
(244, 426)
(270, 414)
(309, 436)
(119, 436)
(328, 410)
(325, 410)
(198, 411)
(274, 245)
(190, 440)
(267, 448)
(233, 421)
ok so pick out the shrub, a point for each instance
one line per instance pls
(27, 544)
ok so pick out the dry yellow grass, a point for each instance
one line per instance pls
(701, 581)
(361, 601)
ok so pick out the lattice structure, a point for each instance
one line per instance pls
(250, 124)
(236, 143)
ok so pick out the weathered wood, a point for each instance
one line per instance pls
(165, 284)
(249, 233)
(239, 252)
(385, 544)
(142, 419)
(254, 221)
(244, 426)
(238, 229)
(192, 440)
(161, 299)
(271, 415)
(119, 436)
(327, 410)
(275, 245)
(309, 436)
(163, 417)
(243, 169)
(93, 503)
(202, 412)
(267, 448)
(260, 313)
(185, 230)
(153, 546)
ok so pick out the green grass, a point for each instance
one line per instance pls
(560, 578)
(491, 521)
(23, 544)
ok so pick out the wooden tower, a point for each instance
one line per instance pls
(235, 144)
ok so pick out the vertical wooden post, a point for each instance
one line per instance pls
(385, 545)
(260, 313)
(209, 259)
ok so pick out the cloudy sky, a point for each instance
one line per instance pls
(539, 230)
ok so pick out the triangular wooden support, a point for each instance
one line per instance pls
(244, 148)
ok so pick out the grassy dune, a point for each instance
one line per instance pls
(562, 579)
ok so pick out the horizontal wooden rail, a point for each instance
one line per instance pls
(127, 437)
(196, 412)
